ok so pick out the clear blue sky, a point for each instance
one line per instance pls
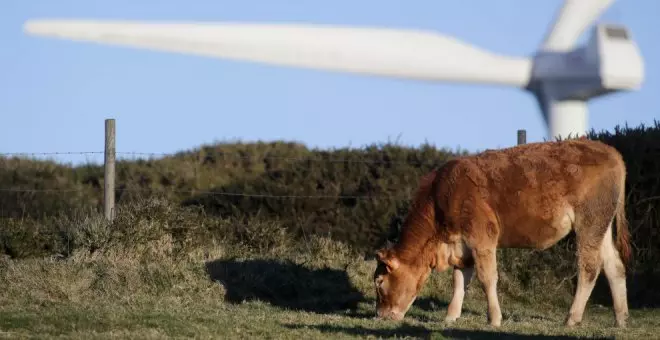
(55, 94)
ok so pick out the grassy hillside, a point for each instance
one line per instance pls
(225, 192)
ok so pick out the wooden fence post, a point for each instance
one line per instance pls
(109, 167)
(522, 137)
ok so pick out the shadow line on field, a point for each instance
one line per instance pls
(431, 304)
(286, 284)
(425, 333)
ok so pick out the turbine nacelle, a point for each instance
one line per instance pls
(563, 81)
(610, 61)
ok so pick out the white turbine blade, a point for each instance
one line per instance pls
(573, 18)
(384, 52)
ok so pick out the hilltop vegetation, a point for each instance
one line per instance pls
(208, 177)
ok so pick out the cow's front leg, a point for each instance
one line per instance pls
(462, 277)
(486, 266)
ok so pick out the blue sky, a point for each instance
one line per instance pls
(55, 94)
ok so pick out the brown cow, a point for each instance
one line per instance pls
(529, 196)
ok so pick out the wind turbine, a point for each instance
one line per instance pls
(561, 76)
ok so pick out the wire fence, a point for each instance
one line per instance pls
(190, 156)
(28, 200)
(110, 159)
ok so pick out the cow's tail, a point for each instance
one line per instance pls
(623, 234)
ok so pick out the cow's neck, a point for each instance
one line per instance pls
(418, 239)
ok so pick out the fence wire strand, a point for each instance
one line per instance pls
(234, 155)
(31, 154)
(211, 193)
(280, 158)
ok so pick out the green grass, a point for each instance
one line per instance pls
(202, 311)
(156, 288)
(214, 319)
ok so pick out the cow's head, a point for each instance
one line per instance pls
(397, 283)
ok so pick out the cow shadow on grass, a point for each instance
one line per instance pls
(420, 332)
(437, 307)
(286, 284)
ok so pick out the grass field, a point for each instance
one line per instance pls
(182, 259)
(214, 319)
(317, 290)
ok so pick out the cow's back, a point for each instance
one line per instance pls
(531, 187)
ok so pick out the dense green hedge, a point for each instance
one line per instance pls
(365, 193)
(362, 191)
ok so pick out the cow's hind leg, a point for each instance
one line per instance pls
(589, 265)
(589, 232)
(616, 276)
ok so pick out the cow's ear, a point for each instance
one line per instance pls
(390, 261)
